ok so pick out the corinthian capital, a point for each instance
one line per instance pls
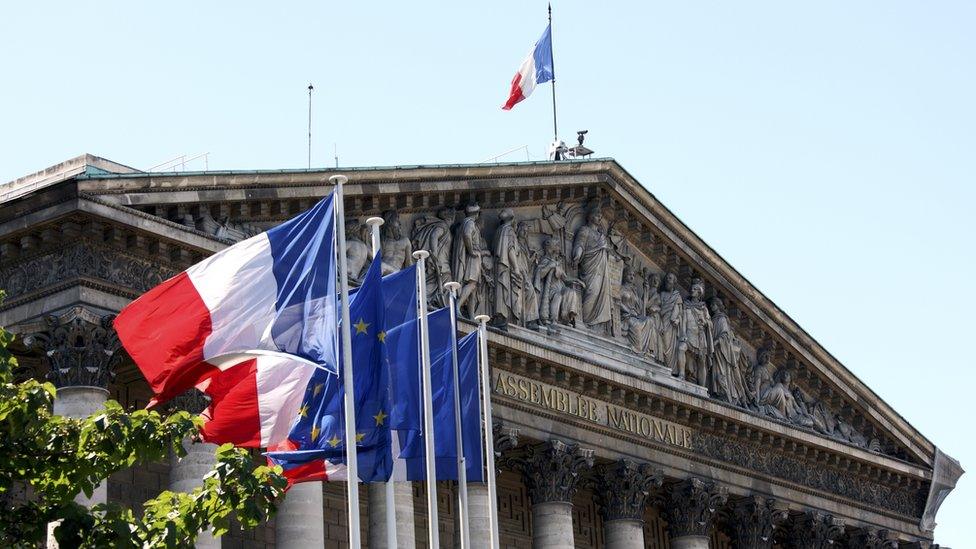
(754, 520)
(79, 346)
(624, 488)
(815, 530)
(691, 507)
(552, 470)
(869, 538)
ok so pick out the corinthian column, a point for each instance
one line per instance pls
(754, 521)
(79, 346)
(185, 474)
(690, 510)
(623, 490)
(814, 530)
(552, 471)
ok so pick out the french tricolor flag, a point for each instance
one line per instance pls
(536, 69)
(274, 292)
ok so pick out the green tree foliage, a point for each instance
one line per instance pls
(59, 457)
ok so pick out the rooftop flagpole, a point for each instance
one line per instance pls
(349, 400)
(430, 457)
(555, 129)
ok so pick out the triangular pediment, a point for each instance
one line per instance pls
(627, 326)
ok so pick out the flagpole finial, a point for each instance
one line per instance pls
(338, 179)
(452, 287)
(421, 254)
(482, 319)
(378, 221)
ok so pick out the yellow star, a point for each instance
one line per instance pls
(360, 327)
(315, 432)
(360, 437)
(380, 417)
(317, 390)
(381, 336)
(334, 441)
(303, 411)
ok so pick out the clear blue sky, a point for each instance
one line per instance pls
(826, 150)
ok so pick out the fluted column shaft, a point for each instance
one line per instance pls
(81, 402)
(406, 535)
(187, 473)
(300, 522)
(478, 520)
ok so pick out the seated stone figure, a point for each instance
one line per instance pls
(637, 326)
(778, 400)
(558, 300)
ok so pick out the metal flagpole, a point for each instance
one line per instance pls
(482, 321)
(555, 130)
(433, 536)
(388, 494)
(452, 290)
(349, 400)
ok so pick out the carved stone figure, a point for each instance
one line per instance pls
(672, 314)
(511, 270)
(357, 252)
(396, 247)
(531, 295)
(778, 400)
(433, 233)
(638, 328)
(652, 308)
(762, 377)
(728, 379)
(591, 255)
(471, 262)
(696, 344)
(559, 301)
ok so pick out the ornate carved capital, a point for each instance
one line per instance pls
(624, 488)
(504, 438)
(691, 507)
(552, 470)
(815, 530)
(869, 538)
(192, 400)
(80, 347)
(754, 521)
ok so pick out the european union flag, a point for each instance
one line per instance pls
(319, 431)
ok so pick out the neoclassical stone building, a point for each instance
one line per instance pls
(645, 393)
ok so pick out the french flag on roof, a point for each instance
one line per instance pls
(274, 292)
(536, 69)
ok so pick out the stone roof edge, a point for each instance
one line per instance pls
(823, 360)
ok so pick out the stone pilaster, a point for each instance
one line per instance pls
(79, 347)
(186, 473)
(300, 521)
(623, 489)
(552, 473)
(870, 538)
(814, 530)
(690, 510)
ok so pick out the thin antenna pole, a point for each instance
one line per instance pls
(335, 152)
(310, 88)
(555, 130)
